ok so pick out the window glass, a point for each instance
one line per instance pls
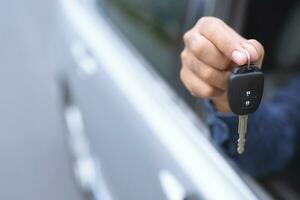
(154, 27)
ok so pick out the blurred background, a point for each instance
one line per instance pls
(35, 163)
(92, 106)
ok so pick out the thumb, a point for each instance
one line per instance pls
(255, 50)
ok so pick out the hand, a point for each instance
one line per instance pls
(211, 51)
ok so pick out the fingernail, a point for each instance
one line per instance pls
(238, 57)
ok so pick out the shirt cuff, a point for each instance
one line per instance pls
(223, 128)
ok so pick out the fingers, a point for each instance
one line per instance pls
(205, 51)
(255, 51)
(220, 35)
(227, 41)
(260, 51)
(196, 86)
(206, 73)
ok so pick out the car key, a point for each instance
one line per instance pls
(244, 90)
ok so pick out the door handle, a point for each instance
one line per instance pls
(86, 63)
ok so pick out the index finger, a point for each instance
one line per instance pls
(221, 35)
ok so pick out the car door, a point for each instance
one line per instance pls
(131, 127)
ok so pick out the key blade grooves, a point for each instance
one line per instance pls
(242, 129)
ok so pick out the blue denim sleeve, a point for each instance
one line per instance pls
(271, 139)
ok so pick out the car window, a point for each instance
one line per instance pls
(154, 27)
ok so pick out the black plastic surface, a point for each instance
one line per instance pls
(245, 89)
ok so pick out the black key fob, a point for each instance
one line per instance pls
(245, 89)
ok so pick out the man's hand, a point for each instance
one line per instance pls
(211, 50)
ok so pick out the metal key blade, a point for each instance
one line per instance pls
(242, 129)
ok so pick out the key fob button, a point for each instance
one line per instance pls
(249, 93)
(248, 103)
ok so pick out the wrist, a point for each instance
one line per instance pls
(221, 105)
